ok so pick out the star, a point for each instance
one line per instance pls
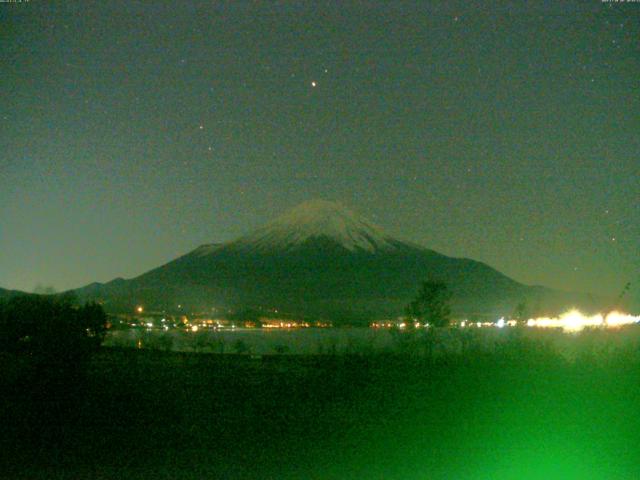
(313, 84)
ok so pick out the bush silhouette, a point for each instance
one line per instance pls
(240, 347)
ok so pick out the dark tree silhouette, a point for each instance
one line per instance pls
(431, 305)
(46, 327)
(520, 312)
(48, 341)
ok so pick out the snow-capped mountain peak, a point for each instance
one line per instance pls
(318, 219)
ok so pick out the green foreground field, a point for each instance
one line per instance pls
(517, 414)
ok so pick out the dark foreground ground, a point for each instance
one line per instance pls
(151, 415)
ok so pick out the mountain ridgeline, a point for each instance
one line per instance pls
(321, 261)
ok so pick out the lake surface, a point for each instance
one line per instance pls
(258, 341)
(344, 340)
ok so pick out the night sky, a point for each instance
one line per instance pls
(131, 132)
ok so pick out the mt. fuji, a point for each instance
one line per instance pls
(320, 260)
(314, 220)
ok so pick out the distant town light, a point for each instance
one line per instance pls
(574, 321)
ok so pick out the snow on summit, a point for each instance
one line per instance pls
(318, 219)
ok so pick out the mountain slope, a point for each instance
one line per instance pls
(6, 294)
(318, 260)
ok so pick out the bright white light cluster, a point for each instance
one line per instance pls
(574, 321)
